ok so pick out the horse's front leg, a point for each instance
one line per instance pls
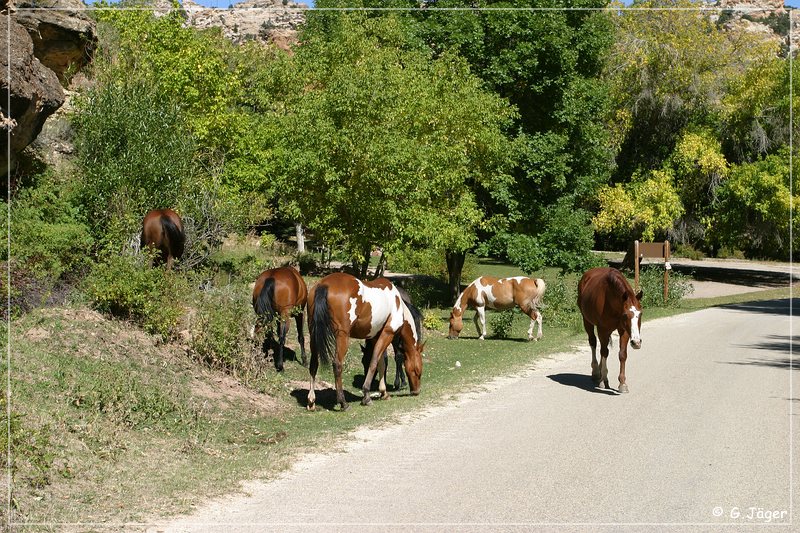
(381, 343)
(299, 321)
(623, 356)
(480, 321)
(399, 359)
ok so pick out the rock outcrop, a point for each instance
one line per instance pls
(768, 18)
(49, 42)
(64, 36)
(35, 93)
(269, 21)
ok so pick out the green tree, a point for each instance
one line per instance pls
(386, 146)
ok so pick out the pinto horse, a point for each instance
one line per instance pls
(607, 301)
(162, 231)
(282, 292)
(493, 293)
(397, 345)
(341, 306)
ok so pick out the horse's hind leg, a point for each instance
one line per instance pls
(283, 329)
(589, 327)
(299, 321)
(342, 341)
(605, 340)
(536, 318)
(399, 360)
(312, 369)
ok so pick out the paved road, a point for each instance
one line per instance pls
(705, 431)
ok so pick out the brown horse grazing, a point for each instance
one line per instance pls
(341, 306)
(282, 292)
(493, 293)
(607, 301)
(162, 231)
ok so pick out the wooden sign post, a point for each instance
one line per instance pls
(652, 249)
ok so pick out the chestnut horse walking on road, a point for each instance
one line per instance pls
(488, 292)
(341, 306)
(607, 301)
(162, 230)
(280, 292)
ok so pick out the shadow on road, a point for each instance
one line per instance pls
(580, 381)
(771, 307)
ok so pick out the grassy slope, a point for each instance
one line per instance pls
(116, 427)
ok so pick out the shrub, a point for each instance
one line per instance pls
(431, 320)
(526, 252)
(125, 287)
(560, 306)
(651, 281)
(688, 251)
(218, 332)
(568, 238)
(502, 323)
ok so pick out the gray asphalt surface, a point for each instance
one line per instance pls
(701, 443)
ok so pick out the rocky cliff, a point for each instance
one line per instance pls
(274, 21)
(49, 41)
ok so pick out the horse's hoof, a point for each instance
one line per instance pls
(596, 380)
(623, 388)
(366, 400)
(385, 396)
(606, 385)
(311, 407)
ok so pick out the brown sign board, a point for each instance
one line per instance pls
(654, 249)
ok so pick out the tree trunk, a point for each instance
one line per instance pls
(455, 264)
(301, 237)
(381, 265)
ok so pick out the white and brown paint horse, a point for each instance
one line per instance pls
(607, 301)
(341, 306)
(488, 292)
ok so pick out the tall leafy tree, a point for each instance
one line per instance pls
(385, 145)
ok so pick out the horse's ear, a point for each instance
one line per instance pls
(639, 295)
(421, 347)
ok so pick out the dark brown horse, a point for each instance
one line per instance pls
(162, 232)
(341, 306)
(280, 292)
(488, 292)
(607, 301)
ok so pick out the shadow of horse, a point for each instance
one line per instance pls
(326, 398)
(581, 381)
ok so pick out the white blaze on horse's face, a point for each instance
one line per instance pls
(636, 337)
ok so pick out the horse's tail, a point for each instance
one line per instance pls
(177, 239)
(263, 302)
(321, 325)
(417, 316)
(538, 293)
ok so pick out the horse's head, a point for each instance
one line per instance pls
(413, 364)
(632, 319)
(456, 324)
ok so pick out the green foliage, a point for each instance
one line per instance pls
(754, 208)
(135, 153)
(651, 282)
(650, 205)
(306, 262)
(386, 147)
(501, 323)
(124, 287)
(559, 307)
(240, 263)
(48, 233)
(432, 320)
(219, 332)
(688, 251)
(527, 252)
(425, 262)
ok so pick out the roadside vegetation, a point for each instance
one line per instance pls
(442, 145)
